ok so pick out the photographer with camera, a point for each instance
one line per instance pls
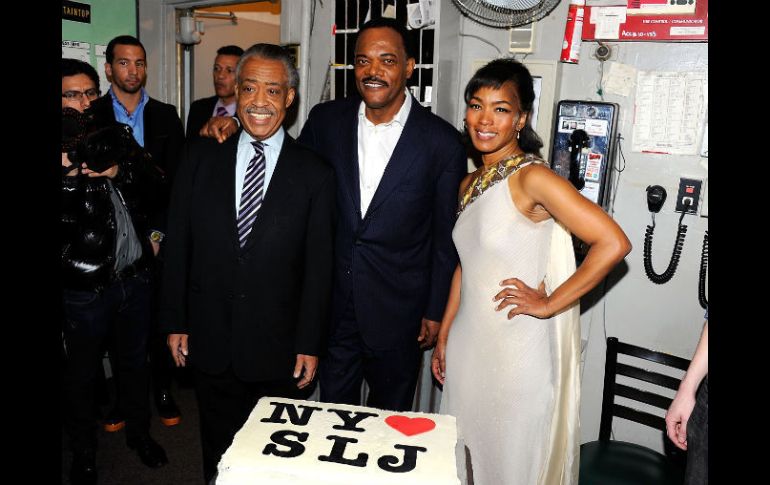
(110, 188)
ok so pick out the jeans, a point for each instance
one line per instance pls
(122, 307)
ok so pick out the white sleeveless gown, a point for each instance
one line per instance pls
(512, 384)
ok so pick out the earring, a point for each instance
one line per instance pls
(518, 133)
(465, 125)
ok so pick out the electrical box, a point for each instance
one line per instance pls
(688, 195)
(522, 39)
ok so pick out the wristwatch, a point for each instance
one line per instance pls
(156, 236)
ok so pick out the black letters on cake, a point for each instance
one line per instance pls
(338, 450)
(289, 443)
(291, 410)
(387, 462)
(282, 438)
(349, 421)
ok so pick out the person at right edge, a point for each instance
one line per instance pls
(508, 352)
(398, 167)
(687, 419)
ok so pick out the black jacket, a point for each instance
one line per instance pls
(88, 225)
(200, 113)
(163, 139)
(254, 308)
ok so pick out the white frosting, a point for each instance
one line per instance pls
(252, 456)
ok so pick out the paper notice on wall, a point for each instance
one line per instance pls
(620, 79)
(73, 49)
(537, 85)
(607, 20)
(100, 52)
(670, 110)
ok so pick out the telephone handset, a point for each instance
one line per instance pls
(656, 196)
(579, 144)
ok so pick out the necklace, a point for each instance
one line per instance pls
(490, 176)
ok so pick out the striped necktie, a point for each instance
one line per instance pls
(221, 111)
(251, 194)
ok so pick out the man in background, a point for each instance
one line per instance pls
(156, 127)
(223, 103)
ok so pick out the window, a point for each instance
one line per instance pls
(349, 15)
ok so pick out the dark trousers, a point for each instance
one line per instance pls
(390, 374)
(225, 402)
(124, 307)
(697, 472)
(162, 365)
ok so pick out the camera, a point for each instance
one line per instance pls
(98, 147)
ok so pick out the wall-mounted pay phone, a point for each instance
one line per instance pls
(583, 151)
(583, 146)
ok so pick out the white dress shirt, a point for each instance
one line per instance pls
(272, 148)
(375, 147)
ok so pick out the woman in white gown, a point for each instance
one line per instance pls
(509, 343)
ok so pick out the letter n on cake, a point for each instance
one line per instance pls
(293, 442)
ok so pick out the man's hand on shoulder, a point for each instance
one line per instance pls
(219, 127)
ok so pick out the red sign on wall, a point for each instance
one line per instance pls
(612, 23)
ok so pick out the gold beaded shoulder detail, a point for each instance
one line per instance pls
(494, 174)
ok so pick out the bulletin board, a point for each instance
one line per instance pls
(612, 23)
(87, 38)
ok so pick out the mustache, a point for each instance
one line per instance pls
(256, 110)
(375, 79)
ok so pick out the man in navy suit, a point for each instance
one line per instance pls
(248, 274)
(223, 102)
(398, 168)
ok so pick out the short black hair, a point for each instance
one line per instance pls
(494, 75)
(393, 24)
(73, 67)
(230, 50)
(122, 40)
(272, 52)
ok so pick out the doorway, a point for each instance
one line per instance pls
(252, 22)
(241, 24)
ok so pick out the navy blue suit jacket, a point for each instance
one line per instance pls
(397, 261)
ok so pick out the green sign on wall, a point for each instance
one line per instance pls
(77, 12)
(86, 39)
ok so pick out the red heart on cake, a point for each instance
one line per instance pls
(410, 426)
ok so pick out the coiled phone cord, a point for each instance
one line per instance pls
(704, 264)
(678, 243)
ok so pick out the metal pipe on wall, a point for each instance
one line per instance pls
(304, 68)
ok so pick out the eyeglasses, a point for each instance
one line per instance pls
(91, 94)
